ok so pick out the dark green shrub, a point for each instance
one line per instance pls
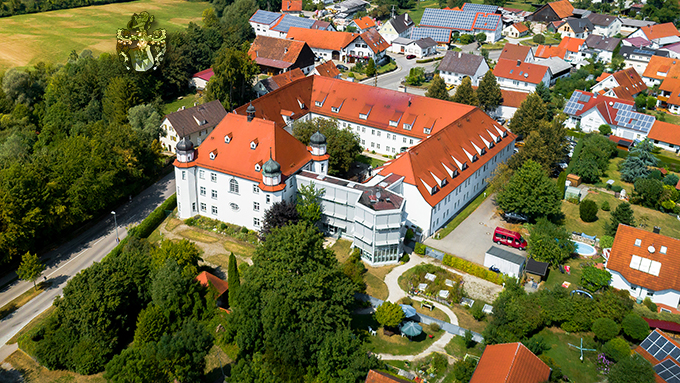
(650, 305)
(434, 327)
(190, 221)
(617, 188)
(588, 211)
(538, 39)
(605, 206)
(605, 129)
(635, 327)
(537, 344)
(405, 258)
(477, 312)
(606, 242)
(419, 248)
(616, 349)
(468, 340)
(244, 230)
(605, 329)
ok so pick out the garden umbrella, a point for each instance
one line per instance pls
(409, 311)
(411, 329)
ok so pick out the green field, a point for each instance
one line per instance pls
(51, 36)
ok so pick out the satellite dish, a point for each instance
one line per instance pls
(651, 249)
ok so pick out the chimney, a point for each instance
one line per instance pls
(657, 230)
(406, 17)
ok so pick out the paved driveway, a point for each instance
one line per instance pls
(474, 236)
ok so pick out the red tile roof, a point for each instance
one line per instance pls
(321, 39)
(571, 44)
(381, 377)
(547, 51)
(658, 31)
(630, 83)
(364, 22)
(375, 41)
(521, 28)
(284, 78)
(521, 71)
(511, 98)
(291, 6)
(449, 150)
(664, 65)
(510, 363)
(663, 325)
(562, 8)
(290, 153)
(273, 52)
(624, 248)
(327, 69)
(665, 132)
(207, 279)
(205, 74)
(515, 52)
(604, 104)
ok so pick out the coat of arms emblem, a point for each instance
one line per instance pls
(138, 47)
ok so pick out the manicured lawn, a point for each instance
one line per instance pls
(568, 357)
(614, 174)
(395, 344)
(669, 117)
(434, 313)
(186, 101)
(51, 36)
(244, 249)
(374, 278)
(33, 372)
(456, 347)
(387, 67)
(341, 249)
(555, 278)
(22, 299)
(497, 45)
(668, 223)
(417, 13)
(197, 236)
(216, 363)
(467, 321)
(461, 216)
(172, 224)
(155, 236)
(374, 162)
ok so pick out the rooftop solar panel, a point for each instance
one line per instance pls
(265, 17)
(292, 21)
(480, 8)
(444, 18)
(439, 35)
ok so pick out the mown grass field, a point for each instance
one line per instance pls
(51, 36)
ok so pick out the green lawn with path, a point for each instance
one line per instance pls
(395, 344)
(51, 36)
(568, 357)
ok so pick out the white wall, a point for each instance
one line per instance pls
(520, 86)
(505, 266)
(169, 142)
(666, 297)
(457, 78)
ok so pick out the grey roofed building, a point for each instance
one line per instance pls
(479, 8)
(557, 66)
(402, 41)
(602, 43)
(580, 25)
(351, 6)
(601, 20)
(581, 13)
(439, 35)
(426, 42)
(627, 51)
(197, 118)
(631, 23)
(292, 21)
(459, 62)
(401, 23)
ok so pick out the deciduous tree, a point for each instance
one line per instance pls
(546, 145)
(30, 268)
(370, 68)
(465, 94)
(528, 115)
(635, 327)
(616, 349)
(233, 79)
(389, 314)
(342, 145)
(605, 329)
(146, 121)
(309, 203)
(594, 279)
(633, 369)
(489, 93)
(280, 214)
(437, 89)
(550, 243)
(530, 192)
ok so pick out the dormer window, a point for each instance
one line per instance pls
(407, 126)
(465, 166)
(213, 154)
(318, 103)
(253, 144)
(393, 123)
(638, 242)
(474, 158)
(427, 130)
(434, 189)
(335, 110)
(227, 138)
(258, 167)
(444, 182)
(321, 99)
(365, 111)
(335, 107)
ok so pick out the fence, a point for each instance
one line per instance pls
(436, 254)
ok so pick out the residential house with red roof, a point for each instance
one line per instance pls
(575, 49)
(548, 51)
(382, 377)
(625, 84)
(275, 55)
(659, 35)
(455, 66)
(291, 6)
(194, 123)
(520, 76)
(516, 30)
(327, 69)
(269, 84)
(342, 46)
(554, 11)
(639, 58)
(509, 104)
(200, 80)
(363, 24)
(510, 363)
(220, 286)
(665, 135)
(647, 264)
(663, 352)
(516, 52)
(659, 69)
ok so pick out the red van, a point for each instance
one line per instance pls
(508, 237)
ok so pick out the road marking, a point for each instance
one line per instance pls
(70, 260)
(100, 239)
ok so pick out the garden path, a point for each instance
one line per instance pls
(437, 346)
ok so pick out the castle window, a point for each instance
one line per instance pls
(233, 186)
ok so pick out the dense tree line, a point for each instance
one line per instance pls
(75, 138)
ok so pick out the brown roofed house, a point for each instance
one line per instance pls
(382, 377)
(510, 363)
(554, 11)
(517, 52)
(327, 69)
(267, 85)
(195, 123)
(625, 84)
(275, 55)
(291, 6)
(212, 281)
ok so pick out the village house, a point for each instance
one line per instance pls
(625, 84)
(665, 135)
(275, 55)
(629, 26)
(603, 47)
(457, 65)
(467, 21)
(273, 24)
(269, 84)
(342, 46)
(639, 58)
(658, 35)
(441, 36)
(554, 11)
(419, 48)
(327, 69)
(516, 52)
(510, 363)
(662, 350)
(293, 7)
(605, 25)
(200, 80)
(194, 123)
(516, 30)
(520, 76)
(577, 28)
(363, 24)
(659, 69)
(397, 26)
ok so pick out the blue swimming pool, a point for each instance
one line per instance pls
(584, 249)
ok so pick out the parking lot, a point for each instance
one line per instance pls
(474, 236)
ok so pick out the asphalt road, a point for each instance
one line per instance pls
(76, 255)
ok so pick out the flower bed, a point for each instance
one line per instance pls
(415, 276)
(238, 232)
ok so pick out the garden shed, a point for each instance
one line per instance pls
(572, 192)
(508, 263)
(574, 179)
(536, 271)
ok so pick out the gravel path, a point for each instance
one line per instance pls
(437, 346)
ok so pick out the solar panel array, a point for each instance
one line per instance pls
(487, 21)
(621, 106)
(573, 105)
(264, 17)
(437, 34)
(634, 120)
(668, 371)
(444, 18)
(659, 347)
(584, 98)
(293, 21)
(480, 8)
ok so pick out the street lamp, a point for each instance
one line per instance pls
(115, 222)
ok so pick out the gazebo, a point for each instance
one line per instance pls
(411, 329)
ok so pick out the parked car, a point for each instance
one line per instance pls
(501, 121)
(515, 217)
(510, 238)
(409, 57)
(341, 67)
(494, 269)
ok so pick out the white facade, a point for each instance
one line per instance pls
(591, 121)
(603, 56)
(198, 83)
(359, 48)
(452, 78)
(389, 33)
(171, 138)
(522, 86)
(666, 297)
(511, 31)
(610, 30)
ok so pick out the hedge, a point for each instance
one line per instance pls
(561, 182)
(150, 223)
(419, 248)
(423, 61)
(472, 269)
(574, 156)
